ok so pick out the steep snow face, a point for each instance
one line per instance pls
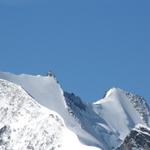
(25, 124)
(91, 122)
(122, 111)
(103, 124)
(44, 89)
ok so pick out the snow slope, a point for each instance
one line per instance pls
(91, 122)
(71, 142)
(43, 88)
(46, 91)
(26, 125)
(122, 111)
(103, 124)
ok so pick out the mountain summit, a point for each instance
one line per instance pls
(37, 114)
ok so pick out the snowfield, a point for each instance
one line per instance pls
(25, 124)
(37, 114)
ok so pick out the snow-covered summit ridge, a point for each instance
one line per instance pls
(123, 110)
(27, 125)
(48, 92)
(45, 89)
(138, 102)
(112, 91)
(24, 124)
(103, 124)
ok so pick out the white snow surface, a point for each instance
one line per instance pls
(47, 91)
(71, 142)
(118, 111)
(44, 89)
(26, 125)
(101, 125)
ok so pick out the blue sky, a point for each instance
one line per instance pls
(90, 45)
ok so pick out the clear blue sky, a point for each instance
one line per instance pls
(91, 45)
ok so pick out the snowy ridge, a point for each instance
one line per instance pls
(122, 111)
(141, 106)
(40, 88)
(25, 124)
(46, 91)
(91, 122)
(102, 125)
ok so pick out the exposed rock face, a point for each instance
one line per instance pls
(141, 106)
(138, 139)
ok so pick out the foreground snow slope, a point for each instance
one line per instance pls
(25, 124)
(46, 91)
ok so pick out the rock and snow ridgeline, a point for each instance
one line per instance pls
(36, 114)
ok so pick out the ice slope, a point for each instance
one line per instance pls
(122, 111)
(46, 91)
(26, 125)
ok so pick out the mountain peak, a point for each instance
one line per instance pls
(123, 110)
(104, 124)
(21, 117)
(45, 89)
(113, 91)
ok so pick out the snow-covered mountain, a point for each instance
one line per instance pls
(46, 91)
(122, 111)
(26, 125)
(36, 111)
